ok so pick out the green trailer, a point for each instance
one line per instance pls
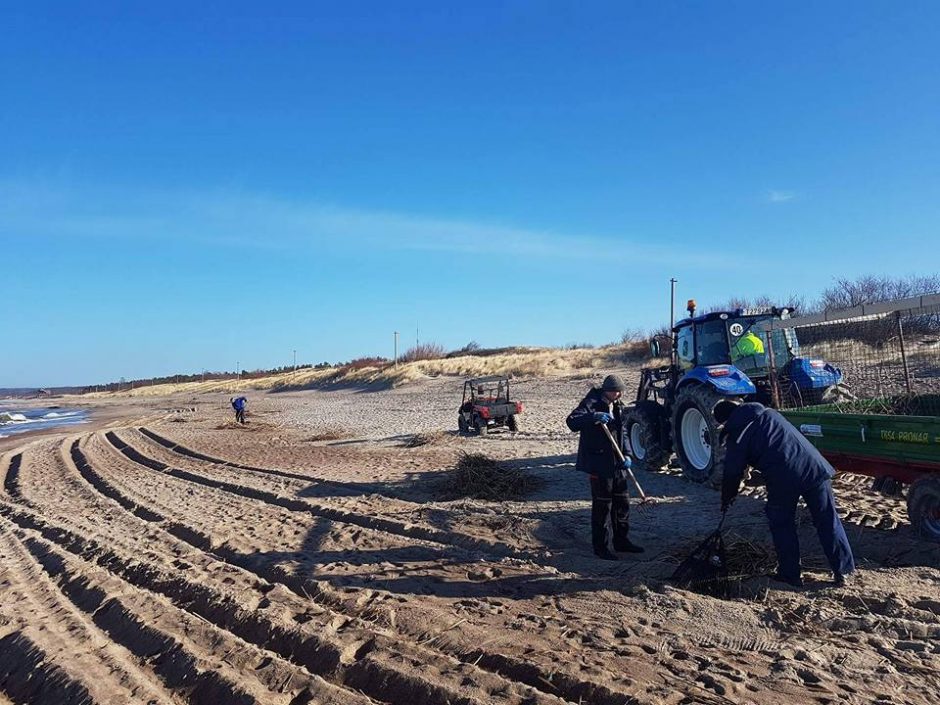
(895, 448)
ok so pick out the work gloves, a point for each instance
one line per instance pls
(602, 417)
(627, 463)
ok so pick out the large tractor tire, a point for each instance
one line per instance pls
(923, 507)
(695, 434)
(642, 425)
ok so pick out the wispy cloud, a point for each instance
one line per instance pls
(778, 196)
(261, 222)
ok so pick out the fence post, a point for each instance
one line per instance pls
(907, 372)
(774, 387)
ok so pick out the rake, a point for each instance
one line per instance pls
(644, 499)
(706, 569)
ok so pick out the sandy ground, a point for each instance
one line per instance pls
(306, 558)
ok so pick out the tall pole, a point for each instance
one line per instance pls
(295, 361)
(672, 303)
(907, 372)
(396, 348)
(672, 320)
(238, 369)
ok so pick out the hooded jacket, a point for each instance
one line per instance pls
(595, 454)
(764, 439)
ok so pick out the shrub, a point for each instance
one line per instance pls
(424, 351)
(362, 362)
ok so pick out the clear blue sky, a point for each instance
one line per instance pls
(190, 185)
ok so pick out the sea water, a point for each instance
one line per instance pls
(19, 420)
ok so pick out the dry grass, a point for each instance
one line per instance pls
(477, 476)
(520, 362)
(425, 439)
(328, 434)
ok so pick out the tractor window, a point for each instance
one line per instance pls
(685, 349)
(711, 343)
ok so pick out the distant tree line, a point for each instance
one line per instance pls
(848, 293)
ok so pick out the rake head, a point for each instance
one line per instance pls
(706, 569)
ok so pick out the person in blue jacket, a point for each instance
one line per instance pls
(610, 501)
(239, 404)
(792, 468)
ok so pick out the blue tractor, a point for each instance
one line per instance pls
(716, 356)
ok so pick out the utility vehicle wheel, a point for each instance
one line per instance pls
(695, 434)
(481, 427)
(462, 424)
(837, 393)
(512, 424)
(642, 426)
(923, 507)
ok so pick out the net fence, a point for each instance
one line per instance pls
(884, 363)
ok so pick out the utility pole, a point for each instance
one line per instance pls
(396, 348)
(672, 320)
(295, 361)
(238, 369)
(672, 303)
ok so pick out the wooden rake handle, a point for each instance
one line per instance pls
(616, 447)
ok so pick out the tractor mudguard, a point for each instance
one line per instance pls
(727, 380)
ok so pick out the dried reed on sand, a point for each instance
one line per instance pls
(478, 477)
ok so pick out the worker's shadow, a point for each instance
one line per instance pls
(552, 537)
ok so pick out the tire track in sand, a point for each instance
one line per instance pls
(329, 643)
(551, 681)
(409, 530)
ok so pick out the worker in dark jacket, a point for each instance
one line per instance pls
(792, 468)
(610, 501)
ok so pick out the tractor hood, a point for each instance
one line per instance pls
(809, 373)
(725, 379)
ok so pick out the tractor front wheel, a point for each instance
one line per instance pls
(642, 426)
(923, 507)
(696, 434)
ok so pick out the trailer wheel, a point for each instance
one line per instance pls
(642, 429)
(923, 507)
(695, 434)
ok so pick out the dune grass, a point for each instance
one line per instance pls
(520, 362)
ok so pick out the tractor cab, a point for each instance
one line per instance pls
(749, 348)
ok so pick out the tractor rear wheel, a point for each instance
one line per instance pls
(923, 507)
(695, 434)
(642, 426)
(511, 423)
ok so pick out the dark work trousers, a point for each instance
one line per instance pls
(781, 515)
(609, 502)
(240, 415)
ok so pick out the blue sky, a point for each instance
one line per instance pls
(185, 186)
